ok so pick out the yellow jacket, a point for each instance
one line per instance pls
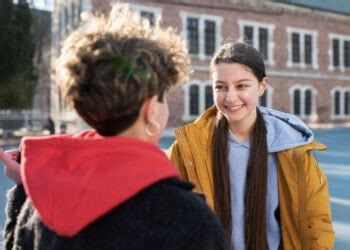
(303, 191)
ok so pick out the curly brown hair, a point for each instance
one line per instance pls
(110, 65)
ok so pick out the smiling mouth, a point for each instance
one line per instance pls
(234, 108)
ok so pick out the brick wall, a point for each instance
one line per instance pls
(282, 78)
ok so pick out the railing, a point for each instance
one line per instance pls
(18, 122)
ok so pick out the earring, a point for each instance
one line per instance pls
(148, 131)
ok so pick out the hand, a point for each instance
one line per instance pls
(12, 167)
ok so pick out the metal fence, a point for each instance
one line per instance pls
(22, 122)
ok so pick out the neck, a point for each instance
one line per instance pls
(136, 131)
(242, 129)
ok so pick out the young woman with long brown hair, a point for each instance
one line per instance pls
(255, 165)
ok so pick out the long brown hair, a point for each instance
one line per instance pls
(256, 183)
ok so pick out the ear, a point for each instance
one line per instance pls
(151, 108)
(262, 86)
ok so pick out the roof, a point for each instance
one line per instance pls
(336, 6)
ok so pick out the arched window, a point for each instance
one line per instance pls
(340, 103)
(337, 102)
(194, 100)
(308, 102)
(208, 96)
(198, 97)
(303, 103)
(296, 98)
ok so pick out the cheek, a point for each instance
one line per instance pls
(218, 97)
(250, 96)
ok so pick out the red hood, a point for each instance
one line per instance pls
(74, 180)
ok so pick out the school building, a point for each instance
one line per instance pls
(305, 45)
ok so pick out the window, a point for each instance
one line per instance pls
(339, 52)
(335, 52)
(147, 12)
(302, 48)
(347, 103)
(308, 49)
(208, 96)
(297, 102)
(308, 102)
(248, 34)
(295, 48)
(263, 39)
(263, 99)
(259, 35)
(194, 100)
(202, 33)
(66, 20)
(266, 98)
(193, 35)
(73, 10)
(337, 103)
(303, 101)
(347, 54)
(148, 15)
(210, 45)
(198, 97)
(340, 97)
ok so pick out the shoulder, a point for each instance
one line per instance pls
(175, 196)
(200, 131)
(303, 149)
(171, 214)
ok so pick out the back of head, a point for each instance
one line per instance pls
(110, 65)
(241, 53)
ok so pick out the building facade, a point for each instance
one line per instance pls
(306, 51)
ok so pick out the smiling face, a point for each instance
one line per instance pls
(236, 93)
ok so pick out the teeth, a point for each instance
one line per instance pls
(234, 107)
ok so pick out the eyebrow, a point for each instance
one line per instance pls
(239, 81)
(220, 82)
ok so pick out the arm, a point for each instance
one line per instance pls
(320, 231)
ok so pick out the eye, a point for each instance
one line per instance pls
(242, 86)
(219, 87)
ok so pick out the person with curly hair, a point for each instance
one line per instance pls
(111, 187)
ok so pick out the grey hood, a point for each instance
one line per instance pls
(284, 131)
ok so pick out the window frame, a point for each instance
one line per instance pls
(202, 18)
(341, 115)
(303, 88)
(269, 91)
(202, 98)
(314, 56)
(156, 11)
(341, 39)
(256, 35)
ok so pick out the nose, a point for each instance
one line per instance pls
(231, 95)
